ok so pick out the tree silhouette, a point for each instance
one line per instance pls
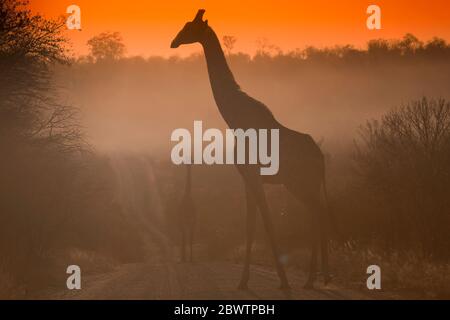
(41, 141)
(229, 42)
(29, 46)
(106, 46)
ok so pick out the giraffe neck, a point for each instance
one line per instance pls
(220, 75)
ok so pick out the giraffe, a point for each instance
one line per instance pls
(302, 167)
(187, 217)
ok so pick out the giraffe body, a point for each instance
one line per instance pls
(302, 168)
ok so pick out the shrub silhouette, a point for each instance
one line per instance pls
(404, 161)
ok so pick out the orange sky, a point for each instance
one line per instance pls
(148, 26)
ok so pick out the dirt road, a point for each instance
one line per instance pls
(162, 278)
(197, 281)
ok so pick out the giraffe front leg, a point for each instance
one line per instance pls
(183, 246)
(250, 231)
(261, 201)
(191, 243)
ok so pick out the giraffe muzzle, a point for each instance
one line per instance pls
(175, 44)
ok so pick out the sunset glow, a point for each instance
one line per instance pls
(149, 26)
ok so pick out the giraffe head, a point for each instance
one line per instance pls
(192, 32)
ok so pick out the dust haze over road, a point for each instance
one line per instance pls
(162, 276)
(202, 280)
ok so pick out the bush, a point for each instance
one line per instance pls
(403, 162)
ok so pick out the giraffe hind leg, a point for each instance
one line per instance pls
(258, 192)
(311, 199)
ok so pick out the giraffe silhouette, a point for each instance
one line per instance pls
(302, 168)
(187, 217)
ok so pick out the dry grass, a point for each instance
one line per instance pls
(407, 274)
(404, 275)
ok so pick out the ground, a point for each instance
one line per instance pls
(197, 281)
(163, 277)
